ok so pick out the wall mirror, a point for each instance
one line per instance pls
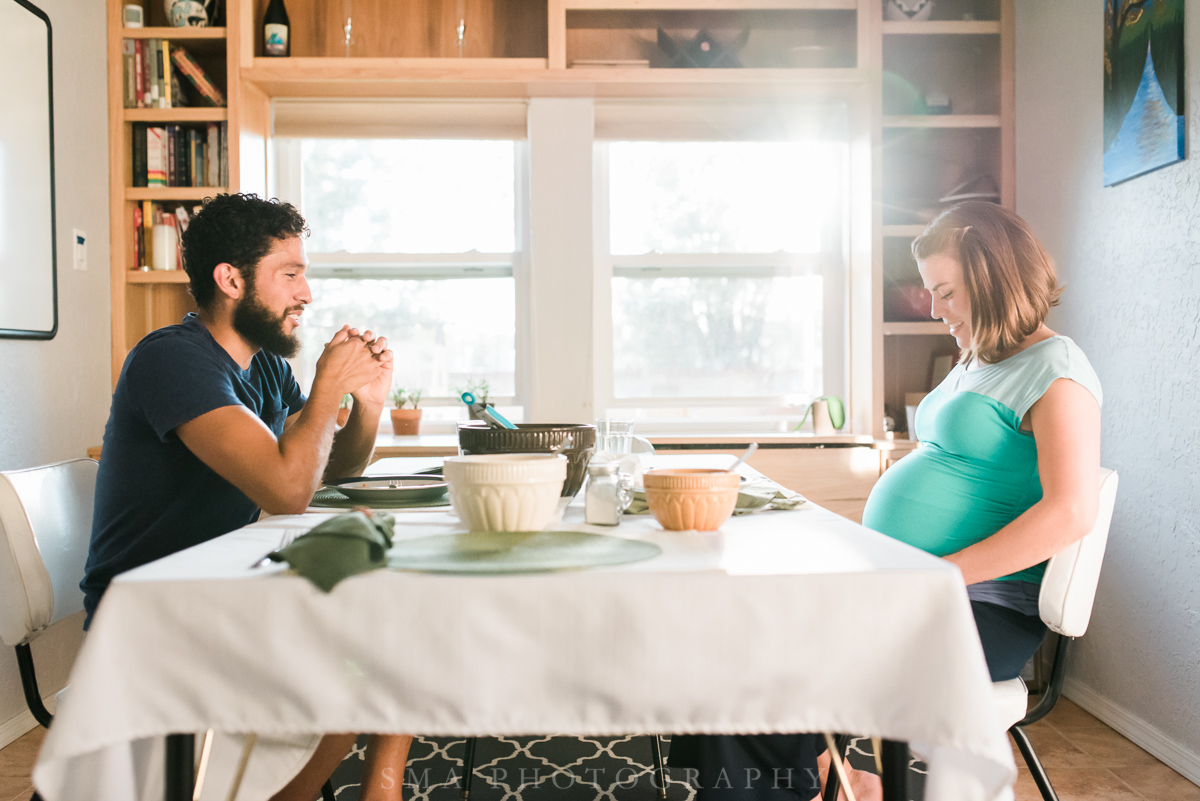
(28, 271)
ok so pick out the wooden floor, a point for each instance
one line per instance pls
(1085, 759)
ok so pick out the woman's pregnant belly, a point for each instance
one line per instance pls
(939, 503)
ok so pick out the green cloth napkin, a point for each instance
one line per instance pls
(754, 496)
(343, 546)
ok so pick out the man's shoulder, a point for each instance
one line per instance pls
(172, 342)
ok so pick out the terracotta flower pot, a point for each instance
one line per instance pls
(406, 421)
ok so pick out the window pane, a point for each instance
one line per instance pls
(409, 196)
(717, 337)
(722, 197)
(442, 332)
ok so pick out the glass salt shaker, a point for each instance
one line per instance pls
(608, 493)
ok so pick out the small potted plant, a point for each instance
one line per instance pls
(478, 387)
(406, 417)
(344, 410)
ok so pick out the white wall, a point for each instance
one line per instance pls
(54, 395)
(1130, 257)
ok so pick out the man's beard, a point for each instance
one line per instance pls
(262, 328)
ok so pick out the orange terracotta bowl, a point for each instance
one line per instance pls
(691, 499)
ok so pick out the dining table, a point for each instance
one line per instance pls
(782, 621)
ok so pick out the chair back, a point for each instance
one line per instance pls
(45, 529)
(1069, 585)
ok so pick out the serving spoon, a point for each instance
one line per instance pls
(753, 447)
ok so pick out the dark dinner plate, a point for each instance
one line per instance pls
(391, 489)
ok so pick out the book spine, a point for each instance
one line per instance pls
(138, 235)
(165, 61)
(174, 223)
(172, 158)
(197, 158)
(128, 91)
(138, 156)
(147, 231)
(212, 156)
(156, 157)
(151, 74)
(223, 175)
(139, 65)
(201, 168)
(181, 172)
(192, 71)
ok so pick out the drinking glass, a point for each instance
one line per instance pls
(614, 436)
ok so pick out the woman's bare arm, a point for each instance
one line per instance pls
(1066, 427)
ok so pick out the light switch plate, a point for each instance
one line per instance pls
(80, 242)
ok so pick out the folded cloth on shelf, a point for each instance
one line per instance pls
(342, 546)
(754, 496)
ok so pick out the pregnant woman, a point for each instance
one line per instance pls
(1006, 476)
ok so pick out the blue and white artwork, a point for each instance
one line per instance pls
(1144, 123)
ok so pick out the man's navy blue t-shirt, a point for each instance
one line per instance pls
(153, 496)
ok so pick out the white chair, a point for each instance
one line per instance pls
(1065, 605)
(45, 529)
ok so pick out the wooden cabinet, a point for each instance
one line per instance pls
(946, 134)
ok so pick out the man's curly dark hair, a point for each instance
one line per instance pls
(237, 229)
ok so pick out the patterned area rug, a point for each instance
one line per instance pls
(551, 768)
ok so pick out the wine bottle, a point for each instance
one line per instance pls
(276, 30)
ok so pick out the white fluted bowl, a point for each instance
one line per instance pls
(505, 491)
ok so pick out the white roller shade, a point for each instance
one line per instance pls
(718, 120)
(399, 119)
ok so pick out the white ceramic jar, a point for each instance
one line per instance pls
(505, 491)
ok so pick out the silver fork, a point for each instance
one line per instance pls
(285, 540)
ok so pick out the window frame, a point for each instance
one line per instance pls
(831, 264)
(421, 266)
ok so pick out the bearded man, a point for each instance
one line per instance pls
(208, 424)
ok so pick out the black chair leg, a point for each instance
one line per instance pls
(468, 769)
(895, 770)
(327, 793)
(33, 698)
(832, 782)
(660, 768)
(1035, 765)
(180, 776)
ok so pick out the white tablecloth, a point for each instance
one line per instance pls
(796, 621)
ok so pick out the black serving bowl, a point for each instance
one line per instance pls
(580, 439)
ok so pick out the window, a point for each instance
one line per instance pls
(727, 275)
(416, 240)
(681, 262)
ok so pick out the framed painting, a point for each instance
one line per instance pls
(1144, 114)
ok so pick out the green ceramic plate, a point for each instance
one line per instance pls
(516, 552)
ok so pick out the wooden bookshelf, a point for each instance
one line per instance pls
(932, 327)
(156, 277)
(169, 193)
(204, 114)
(926, 157)
(143, 301)
(182, 34)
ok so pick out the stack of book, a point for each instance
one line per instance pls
(152, 70)
(180, 155)
(149, 214)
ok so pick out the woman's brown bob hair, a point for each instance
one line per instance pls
(1010, 277)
